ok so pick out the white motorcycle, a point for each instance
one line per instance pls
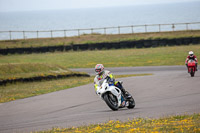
(113, 96)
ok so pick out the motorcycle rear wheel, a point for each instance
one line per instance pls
(131, 103)
(111, 101)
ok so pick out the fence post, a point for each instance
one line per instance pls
(37, 35)
(24, 35)
(92, 31)
(78, 32)
(173, 27)
(132, 29)
(10, 35)
(105, 31)
(159, 28)
(51, 34)
(65, 34)
(118, 29)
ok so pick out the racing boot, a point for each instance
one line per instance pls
(125, 93)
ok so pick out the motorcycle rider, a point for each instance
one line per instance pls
(193, 57)
(102, 74)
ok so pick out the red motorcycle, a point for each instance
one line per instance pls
(191, 67)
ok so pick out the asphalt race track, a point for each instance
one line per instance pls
(169, 91)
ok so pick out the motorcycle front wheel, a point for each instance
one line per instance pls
(192, 72)
(111, 101)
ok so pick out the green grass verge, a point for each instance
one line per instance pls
(96, 38)
(173, 124)
(174, 55)
(25, 70)
(12, 92)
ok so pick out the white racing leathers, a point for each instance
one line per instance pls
(98, 80)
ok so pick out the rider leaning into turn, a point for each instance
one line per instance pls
(101, 74)
(193, 57)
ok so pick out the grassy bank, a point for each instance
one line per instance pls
(15, 73)
(25, 70)
(96, 38)
(175, 55)
(178, 124)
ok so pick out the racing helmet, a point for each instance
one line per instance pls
(191, 53)
(99, 68)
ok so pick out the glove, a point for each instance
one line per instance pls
(97, 91)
